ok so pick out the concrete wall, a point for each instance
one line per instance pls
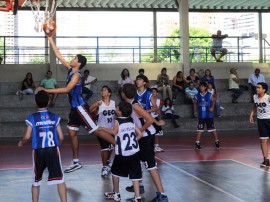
(111, 72)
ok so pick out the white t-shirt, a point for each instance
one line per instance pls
(232, 83)
(164, 108)
(155, 114)
(89, 79)
(106, 114)
(263, 106)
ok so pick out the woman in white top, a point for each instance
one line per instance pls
(124, 78)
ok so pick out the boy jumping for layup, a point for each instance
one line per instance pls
(79, 112)
(262, 106)
(46, 136)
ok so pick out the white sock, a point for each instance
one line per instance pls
(75, 160)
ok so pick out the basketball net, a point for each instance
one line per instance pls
(43, 16)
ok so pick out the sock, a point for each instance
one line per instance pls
(216, 140)
(75, 160)
(156, 145)
(162, 193)
(198, 142)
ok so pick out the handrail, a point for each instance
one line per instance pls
(137, 49)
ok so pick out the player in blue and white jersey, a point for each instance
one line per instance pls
(204, 104)
(46, 132)
(79, 113)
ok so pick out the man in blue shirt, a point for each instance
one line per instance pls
(204, 104)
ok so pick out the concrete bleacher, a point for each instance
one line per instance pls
(14, 111)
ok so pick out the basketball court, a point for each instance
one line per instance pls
(229, 174)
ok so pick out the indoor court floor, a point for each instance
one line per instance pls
(226, 175)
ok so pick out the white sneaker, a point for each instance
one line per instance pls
(73, 166)
(105, 171)
(222, 108)
(113, 195)
(158, 149)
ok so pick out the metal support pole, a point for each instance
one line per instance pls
(260, 37)
(155, 35)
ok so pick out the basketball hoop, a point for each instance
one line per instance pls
(42, 17)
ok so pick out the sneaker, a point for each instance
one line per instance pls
(113, 195)
(198, 146)
(160, 198)
(160, 133)
(109, 163)
(73, 166)
(158, 149)
(105, 171)
(131, 189)
(265, 163)
(222, 108)
(217, 143)
(138, 199)
(19, 93)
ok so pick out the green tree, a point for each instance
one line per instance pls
(168, 51)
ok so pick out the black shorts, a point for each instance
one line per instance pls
(47, 158)
(147, 153)
(157, 127)
(104, 145)
(80, 116)
(209, 122)
(264, 128)
(127, 166)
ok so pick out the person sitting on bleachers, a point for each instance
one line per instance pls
(208, 78)
(124, 78)
(190, 92)
(234, 82)
(87, 82)
(178, 84)
(193, 78)
(253, 80)
(50, 83)
(163, 84)
(28, 86)
(168, 111)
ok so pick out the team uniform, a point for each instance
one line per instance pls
(263, 115)
(106, 117)
(147, 141)
(45, 145)
(79, 113)
(205, 117)
(126, 162)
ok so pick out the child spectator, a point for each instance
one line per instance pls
(203, 109)
(156, 115)
(126, 162)
(168, 111)
(46, 132)
(211, 88)
(190, 92)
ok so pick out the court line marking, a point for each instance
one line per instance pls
(251, 166)
(200, 180)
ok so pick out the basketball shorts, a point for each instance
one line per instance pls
(80, 116)
(104, 145)
(157, 127)
(264, 128)
(209, 122)
(47, 158)
(127, 166)
(147, 153)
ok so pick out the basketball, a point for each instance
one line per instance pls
(49, 27)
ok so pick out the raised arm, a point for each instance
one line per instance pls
(57, 53)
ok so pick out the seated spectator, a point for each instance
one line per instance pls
(179, 84)
(1, 60)
(190, 92)
(234, 85)
(253, 80)
(87, 82)
(50, 83)
(28, 86)
(163, 84)
(200, 73)
(193, 78)
(208, 78)
(217, 46)
(168, 111)
(124, 78)
(211, 88)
